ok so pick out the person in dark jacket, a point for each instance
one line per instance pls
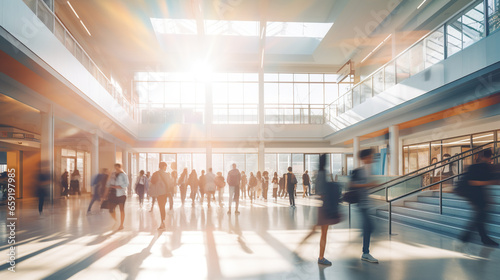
(306, 184)
(479, 176)
(64, 183)
(99, 185)
(233, 180)
(291, 184)
(193, 183)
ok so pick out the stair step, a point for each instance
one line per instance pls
(442, 228)
(495, 199)
(457, 203)
(452, 211)
(460, 222)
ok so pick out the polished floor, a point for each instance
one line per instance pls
(207, 243)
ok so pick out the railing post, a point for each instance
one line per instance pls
(390, 217)
(349, 215)
(441, 198)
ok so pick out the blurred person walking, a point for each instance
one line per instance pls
(99, 185)
(361, 181)
(116, 193)
(202, 181)
(233, 181)
(210, 185)
(478, 176)
(140, 187)
(291, 184)
(193, 183)
(161, 187)
(275, 182)
(306, 184)
(64, 183)
(252, 186)
(243, 185)
(220, 183)
(183, 182)
(74, 184)
(258, 189)
(328, 213)
(265, 184)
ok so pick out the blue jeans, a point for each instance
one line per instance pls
(367, 230)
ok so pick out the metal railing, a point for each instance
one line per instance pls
(429, 50)
(421, 176)
(52, 22)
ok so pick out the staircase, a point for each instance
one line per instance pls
(422, 211)
(434, 206)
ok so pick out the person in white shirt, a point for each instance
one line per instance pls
(116, 194)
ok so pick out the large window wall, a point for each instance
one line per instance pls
(461, 31)
(235, 98)
(298, 98)
(420, 155)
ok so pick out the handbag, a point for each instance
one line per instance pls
(351, 196)
(105, 204)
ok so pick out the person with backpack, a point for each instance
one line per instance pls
(233, 180)
(328, 213)
(478, 176)
(291, 184)
(361, 181)
(161, 188)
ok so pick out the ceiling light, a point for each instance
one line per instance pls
(72, 9)
(377, 47)
(421, 4)
(85, 27)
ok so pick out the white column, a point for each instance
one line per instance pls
(261, 156)
(47, 148)
(208, 124)
(209, 155)
(125, 167)
(261, 100)
(394, 150)
(344, 164)
(355, 151)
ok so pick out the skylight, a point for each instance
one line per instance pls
(242, 28)
(298, 29)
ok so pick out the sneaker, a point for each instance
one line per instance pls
(368, 258)
(324, 262)
(489, 242)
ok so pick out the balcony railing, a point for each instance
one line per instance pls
(473, 23)
(43, 12)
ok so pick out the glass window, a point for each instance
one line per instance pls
(298, 163)
(378, 82)
(156, 92)
(188, 93)
(270, 77)
(142, 162)
(217, 163)
(403, 67)
(271, 163)
(301, 77)
(417, 58)
(336, 164)
(356, 95)
(286, 93)
(251, 93)
(316, 94)
(301, 93)
(199, 163)
(284, 161)
(454, 36)
(482, 139)
(271, 93)
(169, 159)
(473, 25)
(390, 75)
(366, 90)
(183, 161)
(348, 101)
(316, 77)
(252, 163)
(153, 162)
(172, 91)
(219, 93)
(229, 159)
(331, 93)
(434, 47)
(286, 77)
(235, 94)
(493, 15)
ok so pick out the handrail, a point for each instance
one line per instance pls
(428, 168)
(394, 60)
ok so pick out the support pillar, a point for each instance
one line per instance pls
(394, 150)
(47, 149)
(262, 160)
(355, 151)
(95, 155)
